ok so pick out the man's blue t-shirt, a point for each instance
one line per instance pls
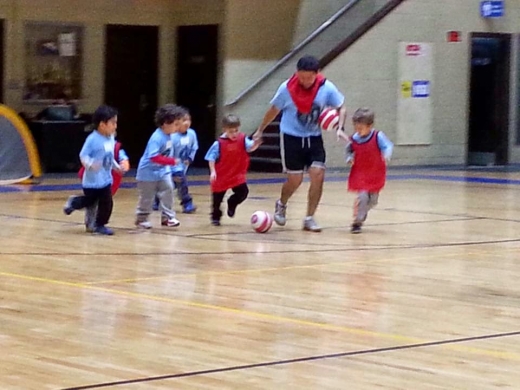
(305, 125)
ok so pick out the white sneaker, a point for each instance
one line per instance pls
(279, 213)
(170, 222)
(310, 225)
(143, 224)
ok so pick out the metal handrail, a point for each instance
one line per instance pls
(295, 50)
(356, 34)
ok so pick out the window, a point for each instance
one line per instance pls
(53, 54)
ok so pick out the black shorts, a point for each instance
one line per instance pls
(299, 153)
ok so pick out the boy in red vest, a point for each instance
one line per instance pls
(368, 151)
(228, 160)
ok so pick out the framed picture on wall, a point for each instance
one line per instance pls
(53, 61)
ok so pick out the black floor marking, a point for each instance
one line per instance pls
(216, 234)
(340, 248)
(424, 222)
(347, 249)
(297, 360)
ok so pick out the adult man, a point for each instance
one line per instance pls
(301, 100)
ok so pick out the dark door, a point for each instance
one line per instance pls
(131, 83)
(196, 81)
(489, 99)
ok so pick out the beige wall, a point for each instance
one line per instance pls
(312, 14)
(368, 75)
(94, 15)
(259, 29)
(257, 33)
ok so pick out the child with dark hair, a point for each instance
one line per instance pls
(97, 156)
(185, 146)
(154, 170)
(122, 159)
(228, 160)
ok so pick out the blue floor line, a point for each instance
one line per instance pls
(272, 180)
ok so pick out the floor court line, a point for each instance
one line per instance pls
(462, 217)
(307, 359)
(331, 250)
(203, 235)
(287, 268)
(196, 236)
(259, 315)
(276, 180)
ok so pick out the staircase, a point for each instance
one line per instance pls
(267, 157)
(326, 43)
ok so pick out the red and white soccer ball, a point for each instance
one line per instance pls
(261, 221)
(329, 119)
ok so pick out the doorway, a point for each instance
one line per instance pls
(489, 99)
(131, 67)
(196, 81)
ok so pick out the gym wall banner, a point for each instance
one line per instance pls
(414, 111)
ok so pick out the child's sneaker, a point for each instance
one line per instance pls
(189, 208)
(103, 230)
(356, 228)
(143, 224)
(310, 225)
(215, 222)
(231, 211)
(68, 209)
(279, 213)
(170, 222)
(90, 228)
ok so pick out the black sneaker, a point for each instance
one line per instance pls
(215, 222)
(68, 209)
(231, 211)
(356, 228)
(103, 230)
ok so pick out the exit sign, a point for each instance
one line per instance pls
(492, 8)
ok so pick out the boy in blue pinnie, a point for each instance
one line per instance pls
(97, 156)
(185, 146)
(154, 174)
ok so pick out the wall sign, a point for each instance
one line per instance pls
(414, 109)
(492, 8)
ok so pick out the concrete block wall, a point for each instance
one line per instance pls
(368, 74)
(254, 105)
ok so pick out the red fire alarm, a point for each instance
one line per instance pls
(453, 36)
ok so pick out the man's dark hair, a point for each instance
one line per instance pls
(168, 114)
(103, 114)
(308, 63)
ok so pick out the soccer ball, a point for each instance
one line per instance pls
(261, 221)
(329, 119)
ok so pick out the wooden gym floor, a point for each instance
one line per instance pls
(427, 297)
